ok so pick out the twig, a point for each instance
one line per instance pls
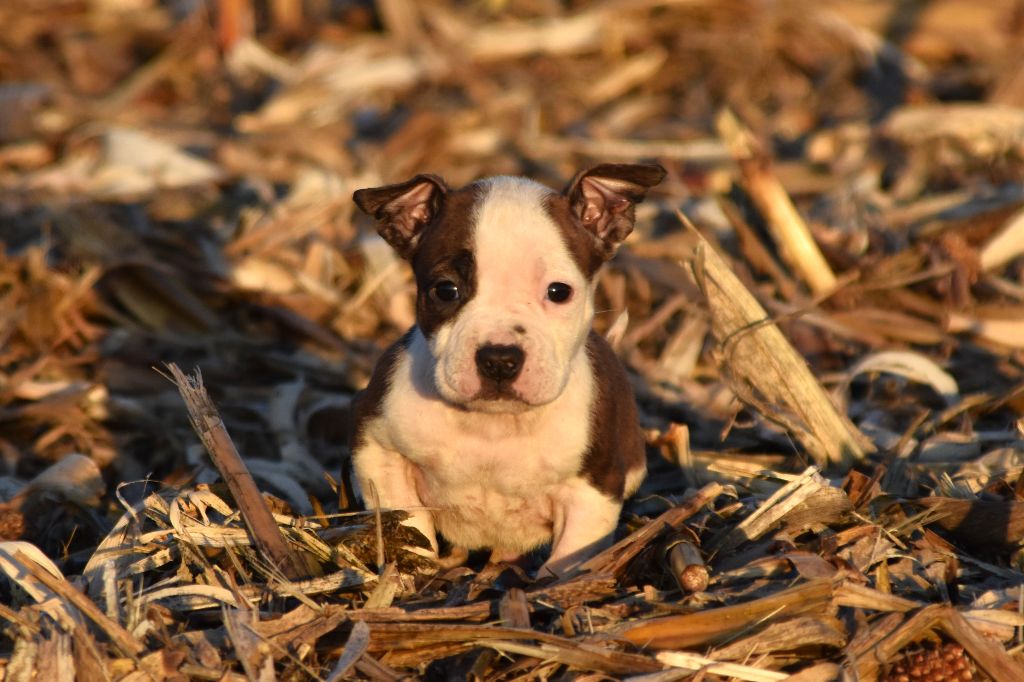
(688, 661)
(714, 625)
(514, 610)
(263, 530)
(788, 229)
(787, 498)
(121, 638)
(356, 645)
(614, 559)
(687, 566)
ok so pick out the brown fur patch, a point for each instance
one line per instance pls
(367, 404)
(616, 442)
(585, 249)
(445, 252)
(604, 197)
(403, 210)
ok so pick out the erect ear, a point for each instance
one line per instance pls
(403, 210)
(603, 198)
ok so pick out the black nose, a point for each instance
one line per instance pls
(500, 363)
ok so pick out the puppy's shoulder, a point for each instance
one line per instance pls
(368, 403)
(616, 445)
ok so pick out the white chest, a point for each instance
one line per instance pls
(490, 479)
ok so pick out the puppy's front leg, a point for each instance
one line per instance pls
(585, 520)
(388, 480)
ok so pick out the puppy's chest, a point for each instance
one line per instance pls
(458, 450)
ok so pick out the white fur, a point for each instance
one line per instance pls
(519, 251)
(387, 480)
(489, 480)
(585, 525)
(634, 477)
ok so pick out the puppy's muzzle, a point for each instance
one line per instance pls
(500, 364)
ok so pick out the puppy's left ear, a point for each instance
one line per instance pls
(603, 198)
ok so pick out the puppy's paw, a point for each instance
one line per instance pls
(546, 572)
(457, 557)
(558, 568)
(564, 566)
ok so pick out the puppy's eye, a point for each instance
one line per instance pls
(559, 292)
(446, 291)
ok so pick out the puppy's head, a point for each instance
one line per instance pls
(505, 274)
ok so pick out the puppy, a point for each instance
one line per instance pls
(501, 420)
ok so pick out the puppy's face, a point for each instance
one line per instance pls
(504, 271)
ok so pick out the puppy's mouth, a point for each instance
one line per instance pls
(493, 399)
(498, 405)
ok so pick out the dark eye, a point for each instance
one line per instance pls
(446, 291)
(559, 292)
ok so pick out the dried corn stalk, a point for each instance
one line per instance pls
(766, 372)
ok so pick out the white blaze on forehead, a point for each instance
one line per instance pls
(518, 250)
(516, 242)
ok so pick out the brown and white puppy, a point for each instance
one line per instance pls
(501, 419)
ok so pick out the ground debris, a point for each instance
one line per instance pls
(175, 183)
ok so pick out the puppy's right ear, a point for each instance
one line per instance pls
(403, 210)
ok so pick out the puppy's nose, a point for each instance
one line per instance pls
(499, 363)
